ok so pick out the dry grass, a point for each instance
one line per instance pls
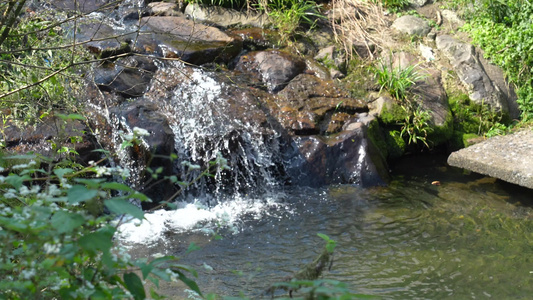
(358, 21)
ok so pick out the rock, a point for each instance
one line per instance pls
(332, 58)
(274, 69)
(178, 37)
(84, 6)
(464, 59)
(225, 17)
(101, 39)
(162, 9)
(155, 150)
(349, 157)
(309, 105)
(426, 52)
(505, 157)
(40, 138)
(378, 105)
(412, 25)
(452, 17)
(128, 76)
(256, 38)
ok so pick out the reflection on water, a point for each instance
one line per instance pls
(469, 237)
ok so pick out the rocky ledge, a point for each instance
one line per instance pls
(504, 157)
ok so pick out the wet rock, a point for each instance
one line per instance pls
(102, 40)
(256, 38)
(129, 77)
(225, 17)
(464, 59)
(178, 37)
(411, 25)
(348, 157)
(156, 149)
(48, 136)
(309, 105)
(273, 69)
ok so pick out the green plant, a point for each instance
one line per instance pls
(416, 124)
(288, 15)
(57, 242)
(503, 30)
(396, 80)
(395, 5)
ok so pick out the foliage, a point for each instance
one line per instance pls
(416, 124)
(396, 80)
(288, 15)
(57, 242)
(38, 72)
(395, 5)
(503, 30)
(478, 119)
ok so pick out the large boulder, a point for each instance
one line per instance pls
(465, 60)
(184, 39)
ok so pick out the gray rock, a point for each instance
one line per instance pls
(412, 25)
(162, 9)
(504, 157)
(464, 59)
(452, 17)
(225, 17)
(273, 68)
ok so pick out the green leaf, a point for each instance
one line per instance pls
(189, 282)
(61, 172)
(93, 183)
(100, 240)
(121, 206)
(116, 186)
(79, 193)
(15, 180)
(323, 236)
(135, 286)
(193, 247)
(66, 222)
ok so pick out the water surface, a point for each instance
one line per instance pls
(470, 237)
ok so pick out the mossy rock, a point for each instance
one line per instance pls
(393, 114)
(460, 140)
(396, 145)
(441, 134)
(375, 134)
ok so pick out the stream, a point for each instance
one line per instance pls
(470, 237)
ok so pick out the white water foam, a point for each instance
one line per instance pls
(197, 217)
